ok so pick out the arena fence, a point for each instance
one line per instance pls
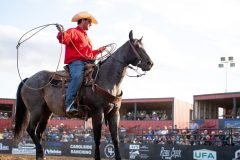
(128, 151)
(171, 144)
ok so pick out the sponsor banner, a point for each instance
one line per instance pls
(137, 151)
(109, 151)
(24, 148)
(53, 151)
(231, 123)
(25, 151)
(154, 151)
(171, 153)
(236, 155)
(53, 148)
(128, 151)
(204, 154)
(84, 150)
(5, 147)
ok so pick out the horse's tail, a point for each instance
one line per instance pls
(20, 113)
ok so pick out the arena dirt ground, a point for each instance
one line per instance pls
(21, 157)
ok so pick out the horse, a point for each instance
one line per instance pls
(35, 107)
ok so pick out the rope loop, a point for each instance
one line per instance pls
(21, 40)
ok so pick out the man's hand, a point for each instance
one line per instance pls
(101, 49)
(60, 28)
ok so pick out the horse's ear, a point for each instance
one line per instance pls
(141, 39)
(131, 35)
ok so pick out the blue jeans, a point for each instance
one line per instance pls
(76, 69)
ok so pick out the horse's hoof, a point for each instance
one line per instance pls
(41, 158)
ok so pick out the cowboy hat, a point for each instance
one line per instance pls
(82, 15)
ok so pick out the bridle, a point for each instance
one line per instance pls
(136, 53)
(139, 61)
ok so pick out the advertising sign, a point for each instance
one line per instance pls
(139, 151)
(204, 154)
(109, 151)
(237, 155)
(24, 148)
(170, 153)
(82, 149)
(4, 148)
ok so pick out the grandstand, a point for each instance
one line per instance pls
(188, 131)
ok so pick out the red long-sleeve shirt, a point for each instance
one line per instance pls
(79, 38)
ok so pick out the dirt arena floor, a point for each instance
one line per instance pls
(21, 157)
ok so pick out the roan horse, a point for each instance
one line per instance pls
(34, 107)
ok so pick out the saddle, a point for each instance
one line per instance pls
(64, 75)
(61, 78)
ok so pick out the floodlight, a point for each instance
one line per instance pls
(230, 58)
(223, 59)
(220, 65)
(232, 64)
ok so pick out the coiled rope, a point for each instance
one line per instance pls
(21, 40)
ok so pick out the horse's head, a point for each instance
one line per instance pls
(141, 58)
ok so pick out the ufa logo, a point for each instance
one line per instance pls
(109, 151)
(204, 154)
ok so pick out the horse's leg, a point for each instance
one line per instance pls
(97, 120)
(43, 123)
(113, 121)
(34, 120)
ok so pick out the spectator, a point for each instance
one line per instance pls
(158, 131)
(142, 116)
(180, 142)
(147, 118)
(1, 115)
(207, 140)
(174, 131)
(165, 131)
(130, 116)
(164, 116)
(163, 140)
(157, 139)
(122, 133)
(150, 135)
(5, 133)
(4, 115)
(172, 140)
(64, 137)
(192, 140)
(213, 138)
(193, 127)
(155, 116)
(236, 139)
(222, 137)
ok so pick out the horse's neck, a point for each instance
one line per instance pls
(113, 71)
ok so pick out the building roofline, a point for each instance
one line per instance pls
(217, 96)
(144, 100)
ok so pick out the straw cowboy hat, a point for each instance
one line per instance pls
(82, 15)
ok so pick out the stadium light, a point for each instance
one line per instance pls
(225, 63)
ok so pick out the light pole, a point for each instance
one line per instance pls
(225, 63)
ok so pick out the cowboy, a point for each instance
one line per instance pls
(78, 52)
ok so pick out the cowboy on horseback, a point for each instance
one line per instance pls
(78, 52)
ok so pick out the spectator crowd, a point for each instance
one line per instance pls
(144, 115)
(4, 115)
(158, 135)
